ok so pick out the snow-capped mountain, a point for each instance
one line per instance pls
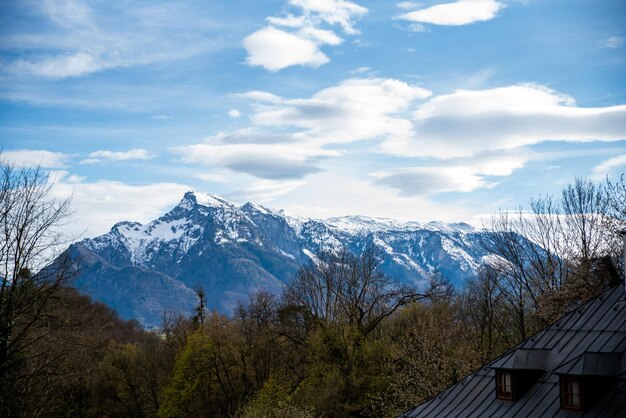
(231, 250)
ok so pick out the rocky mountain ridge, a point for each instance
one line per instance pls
(231, 250)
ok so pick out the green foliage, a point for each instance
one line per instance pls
(275, 400)
(210, 375)
(190, 387)
(430, 348)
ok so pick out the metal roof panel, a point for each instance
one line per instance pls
(581, 342)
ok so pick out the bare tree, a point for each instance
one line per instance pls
(616, 191)
(585, 207)
(257, 321)
(552, 257)
(31, 224)
(484, 308)
(348, 289)
(515, 262)
(176, 327)
(616, 195)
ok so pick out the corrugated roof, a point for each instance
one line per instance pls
(589, 341)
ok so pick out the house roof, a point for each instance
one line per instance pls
(589, 341)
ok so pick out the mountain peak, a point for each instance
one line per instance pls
(253, 207)
(126, 225)
(206, 199)
(232, 250)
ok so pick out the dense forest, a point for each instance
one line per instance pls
(341, 340)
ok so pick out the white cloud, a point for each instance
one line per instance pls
(299, 40)
(212, 177)
(333, 12)
(260, 96)
(250, 136)
(320, 36)
(612, 42)
(99, 157)
(274, 49)
(289, 136)
(42, 158)
(475, 136)
(263, 191)
(417, 27)
(458, 175)
(75, 38)
(479, 78)
(362, 70)
(409, 5)
(161, 117)
(552, 167)
(68, 13)
(502, 163)
(289, 21)
(415, 181)
(461, 12)
(354, 110)
(234, 113)
(350, 195)
(99, 205)
(467, 123)
(267, 161)
(613, 165)
(62, 66)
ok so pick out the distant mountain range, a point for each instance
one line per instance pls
(231, 250)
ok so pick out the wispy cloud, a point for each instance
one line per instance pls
(611, 166)
(417, 27)
(409, 5)
(234, 113)
(461, 12)
(350, 195)
(362, 70)
(299, 39)
(333, 12)
(62, 66)
(263, 191)
(100, 157)
(33, 158)
(100, 204)
(70, 38)
(612, 42)
(212, 177)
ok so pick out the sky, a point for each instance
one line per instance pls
(415, 110)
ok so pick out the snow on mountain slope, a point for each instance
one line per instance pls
(231, 250)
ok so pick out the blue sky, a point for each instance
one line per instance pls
(425, 110)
